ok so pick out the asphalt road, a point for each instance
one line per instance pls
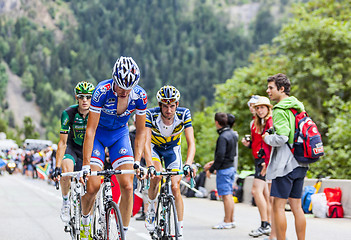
(29, 209)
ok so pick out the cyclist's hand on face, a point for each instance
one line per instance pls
(57, 174)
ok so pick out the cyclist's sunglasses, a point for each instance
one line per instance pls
(82, 96)
(168, 100)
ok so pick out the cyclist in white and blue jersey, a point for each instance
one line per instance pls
(113, 102)
(165, 125)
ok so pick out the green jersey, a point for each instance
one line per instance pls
(74, 124)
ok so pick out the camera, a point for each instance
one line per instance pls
(248, 138)
(270, 131)
(261, 153)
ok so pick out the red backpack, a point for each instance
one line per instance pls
(308, 145)
(335, 209)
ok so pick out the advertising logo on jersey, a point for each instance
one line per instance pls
(144, 97)
(97, 153)
(123, 151)
(110, 102)
(126, 113)
(101, 91)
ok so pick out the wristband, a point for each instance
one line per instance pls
(136, 165)
(86, 168)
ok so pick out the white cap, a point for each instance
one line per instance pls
(253, 99)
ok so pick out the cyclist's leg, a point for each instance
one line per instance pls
(178, 197)
(65, 182)
(93, 182)
(68, 162)
(67, 166)
(125, 182)
(173, 160)
(154, 182)
(121, 155)
(152, 193)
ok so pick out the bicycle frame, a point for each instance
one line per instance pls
(73, 225)
(166, 202)
(103, 202)
(103, 197)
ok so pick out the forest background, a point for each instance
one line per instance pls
(217, 53)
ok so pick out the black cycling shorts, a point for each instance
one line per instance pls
(76, 154)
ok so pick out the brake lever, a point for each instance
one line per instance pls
(192, 181)
(57, 185)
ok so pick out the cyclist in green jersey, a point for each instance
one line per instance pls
(69, 156)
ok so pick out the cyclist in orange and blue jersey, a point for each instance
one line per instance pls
(165, 125)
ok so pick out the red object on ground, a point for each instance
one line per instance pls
(116, 193)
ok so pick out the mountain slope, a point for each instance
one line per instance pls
(18, 105)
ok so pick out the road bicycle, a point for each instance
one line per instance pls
(75, 194)
(106, 218)
(166, 213)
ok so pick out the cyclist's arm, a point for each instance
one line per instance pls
(147, 149)
(93, 121)
(61, 149)
(139, 136)
(189, 135)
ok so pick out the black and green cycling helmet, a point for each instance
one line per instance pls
(84, 88)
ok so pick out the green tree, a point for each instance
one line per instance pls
(29, 128)
(3, 125)
(313, 49)
(3, 81)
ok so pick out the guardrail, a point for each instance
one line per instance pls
(345, 186)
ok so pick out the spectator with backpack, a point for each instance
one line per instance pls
(261, 152)
(286, 172)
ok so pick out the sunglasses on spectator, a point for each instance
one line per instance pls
(82, 96)
(168, 100)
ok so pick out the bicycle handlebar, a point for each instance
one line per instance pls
(172, 173)
(111, 172)
(70, 174)
(169, 173)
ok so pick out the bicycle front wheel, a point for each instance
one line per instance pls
(114, 225)
(97, 222)
(171, 225)
(74, 222)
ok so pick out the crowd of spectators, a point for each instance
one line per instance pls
(28, 160)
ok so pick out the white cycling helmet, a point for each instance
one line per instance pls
(168, 94)
(126, 73)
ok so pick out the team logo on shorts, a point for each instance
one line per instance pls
(97, 153)
(123, 151)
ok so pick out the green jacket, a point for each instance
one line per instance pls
(282, 160)
(284, 119)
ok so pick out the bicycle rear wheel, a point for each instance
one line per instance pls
(171, 225)
(114, 225)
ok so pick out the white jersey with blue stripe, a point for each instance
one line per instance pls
(104, 101)
(182, 120)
